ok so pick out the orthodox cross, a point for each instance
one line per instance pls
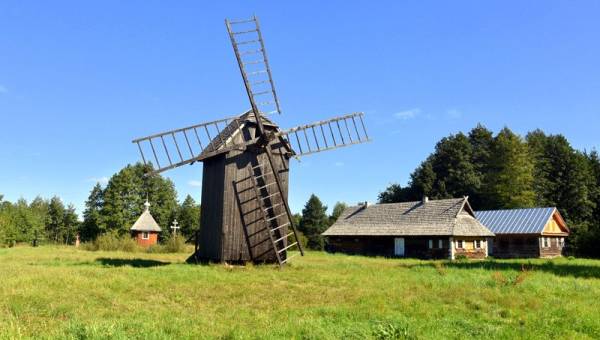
(174, 227)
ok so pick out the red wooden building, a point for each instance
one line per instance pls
(145, 230)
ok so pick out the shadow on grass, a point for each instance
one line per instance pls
(136, 263)
(559, 269)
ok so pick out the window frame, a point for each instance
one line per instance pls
(477, 244)
(440, 243)
(145, 235)
(545, 242)
(430, 243)
(460, 244)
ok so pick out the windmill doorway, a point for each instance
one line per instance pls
(399, 246)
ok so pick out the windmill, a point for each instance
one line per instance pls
(245, 214)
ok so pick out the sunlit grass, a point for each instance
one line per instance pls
(71, 293)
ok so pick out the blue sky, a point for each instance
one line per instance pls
(79, 80)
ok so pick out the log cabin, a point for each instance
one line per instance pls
(533, 232)
(145, 230)
(431, 229)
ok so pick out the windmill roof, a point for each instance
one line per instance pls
(146, 223)
(516, 221)
(233, 128)
(447, 217)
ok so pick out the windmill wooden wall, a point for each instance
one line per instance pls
(232, 228)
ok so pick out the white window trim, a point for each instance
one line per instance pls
(145, 235)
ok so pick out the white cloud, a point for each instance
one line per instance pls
(101, 180)
(3, 89)
(454, 113)
(408, 114)
(339, 163)
(195, 183)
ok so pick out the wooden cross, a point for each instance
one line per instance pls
(174, 227)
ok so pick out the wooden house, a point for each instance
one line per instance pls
(145, 230)
(425, 229)
(534, 232)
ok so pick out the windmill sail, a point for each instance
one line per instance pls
(251, 56)
(174, 148)
(327, 134)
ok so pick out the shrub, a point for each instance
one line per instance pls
(461, 257)
(111, 242)
(175, 244)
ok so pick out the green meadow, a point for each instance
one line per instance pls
(64, 292)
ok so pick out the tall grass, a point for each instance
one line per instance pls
(114, 242)
(62, 292)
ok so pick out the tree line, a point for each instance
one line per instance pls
(41, 220)
(110, 209)
(508, 171)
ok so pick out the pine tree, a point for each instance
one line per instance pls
(481, 140)
(188, 216)
(338, 209)
(395, 193)
(92, 224)
(71, 224)
(314, 222)
(55, 219)
(422, 182)
(509, 183)
(39, 215)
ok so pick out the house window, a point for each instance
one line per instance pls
(145, 235)
(430, 244)
(478, 244)
(460, 244)
(545, 242)
(440, 244)
(561, 242)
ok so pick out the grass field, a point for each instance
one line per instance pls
(71, 293)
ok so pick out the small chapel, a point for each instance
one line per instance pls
(145, 230)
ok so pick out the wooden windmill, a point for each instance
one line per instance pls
(245, 213)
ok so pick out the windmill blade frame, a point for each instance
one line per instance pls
(256, 73)
(327, 134)
(187, 145)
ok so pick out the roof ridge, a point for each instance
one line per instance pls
(508, 209)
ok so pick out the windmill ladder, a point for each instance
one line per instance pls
(270, 197)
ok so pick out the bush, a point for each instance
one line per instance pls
(112, 242)
(175, 244)
(461, 257)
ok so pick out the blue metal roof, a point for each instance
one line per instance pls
(515, 221)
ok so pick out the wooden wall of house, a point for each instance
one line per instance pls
(414, 247)
(152, 238)
(554, 250)
(234, 211)
(510, 246)
(469, 250)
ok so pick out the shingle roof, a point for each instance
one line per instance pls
(233, 128)
(516, 221)
(146, 222)
(446, 217)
